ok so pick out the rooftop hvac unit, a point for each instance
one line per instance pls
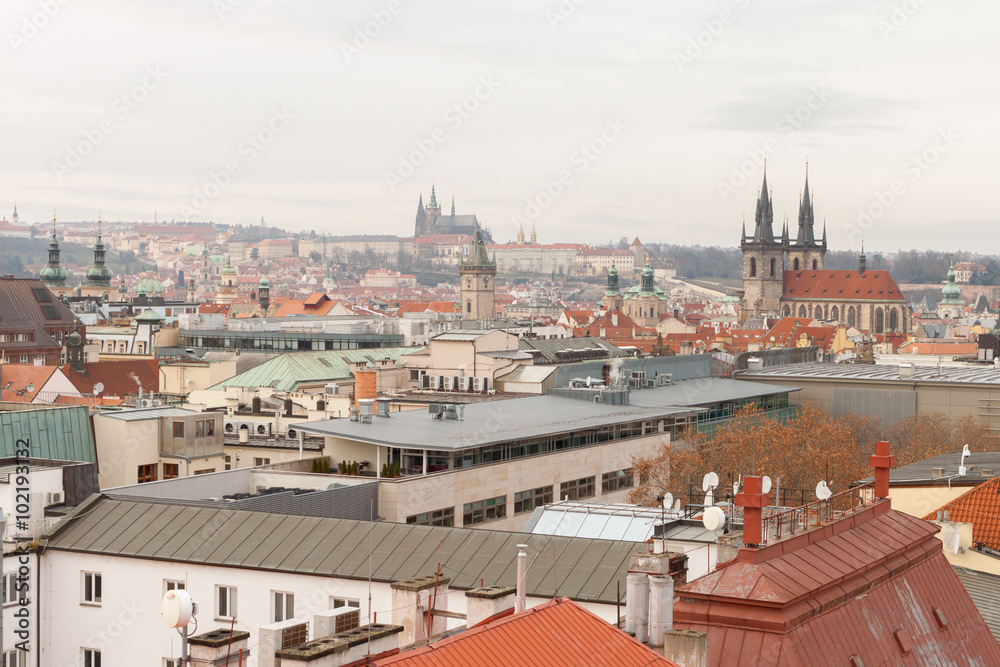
(435, 408)
(638, 375)
(146, 403)
(292, 433)
(262, 428)
(480, 384)
(55, 498)
(231, 426)
(433, 381)
(663, 379)
(650, 384)
(331, 389)
(449, 383)
(464, 383)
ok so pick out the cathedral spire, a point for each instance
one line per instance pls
(433, 203)
(807, 234)
(764, 215)
(453, 206)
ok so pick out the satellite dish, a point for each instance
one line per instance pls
(713, 518)
(765, 484)
(951, 539)
(736, 485)
(710, 481)
(709, 499)
(668, 500)
(98, 388)
(178, 608)
(677, 505)
(823, 491)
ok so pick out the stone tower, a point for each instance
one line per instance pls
(612, 299)
(806, 253)
(54, 275)
(763, 262)
(99, 275)
(476, 275)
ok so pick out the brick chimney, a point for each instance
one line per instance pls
(753, 501)
(883, 462)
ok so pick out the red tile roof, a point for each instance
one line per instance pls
(17, 377)
(981, 508)
(120, 378)
(844, 589)
(558, 633)
(841, 285)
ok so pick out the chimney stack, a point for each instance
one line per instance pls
(522, 574)
(753, 502)
(661, 608)
(412, 603)
(211, 648)
(488, 603)
(637, 605)
(883, 462)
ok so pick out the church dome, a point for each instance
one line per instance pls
(264, 282)
(149, 285)
(950, 292)
(74, 340)
(99, 274)
(53, 274)
(229, 269)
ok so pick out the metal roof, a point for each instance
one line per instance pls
(922, 472)
(984, 589)
(62, 433)
(880, 373)
(489, 422)
(549, 347)
(705, 391)
(464, 334)
(615, 521)
(148, 413)
(288, 371)
(528, 374)
(590, 569)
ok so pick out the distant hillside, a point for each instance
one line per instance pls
(15, 254)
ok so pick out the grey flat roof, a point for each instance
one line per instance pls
(921, 472)
(589, 570)
(879, 373)
(490, 422)
(705, 391)
(463, 334)
(984, 589)
(614, 521)
(148, 413)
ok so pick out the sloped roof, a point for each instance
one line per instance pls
(327, 547)
(288, 371)
(847, 588)
(548, 348)
(25, 303)
(17, 377)
(984, 589)
(120, 378)
(61, 433)
(558, 633)
(981, 507)
(841, 285)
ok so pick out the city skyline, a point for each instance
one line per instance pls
(271, 111)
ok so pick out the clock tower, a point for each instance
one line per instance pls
(476, 275)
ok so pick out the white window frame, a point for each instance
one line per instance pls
(173, 585)
(15, 658)
(90, 657)
(338, 602)
(9, 588)
(282, 606)
(232, 602)
(96, 582)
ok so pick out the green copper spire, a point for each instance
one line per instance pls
(54, 275)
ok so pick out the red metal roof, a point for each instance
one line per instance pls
(120, 378)
(841, 590)
(555, 634)
(841, 285)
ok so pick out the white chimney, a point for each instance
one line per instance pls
(637, 605)
(487, 603)
(211, 648)
(412, 599)
(522, 574)
(661, 608)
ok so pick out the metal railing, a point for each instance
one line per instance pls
(797, 519)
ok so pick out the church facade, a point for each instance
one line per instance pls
(786, 278)
(430, 222)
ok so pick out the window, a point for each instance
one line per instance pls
(172, 585)
(171, 470)
(484, 510)
(24, 359)
(204, 472)
(210, 428)
(619, 479)
(147, 473)
(9, 588)
(15, 659)
(282, 606)
(92, 588)
(578, 488)
(225, 601)
(337, 603)
(525, 501)
(261, 461)
(443, 517)
(229, 462)
(169, 662)
(199, 429)
(91, 657)
(753, 267)
(178, 429)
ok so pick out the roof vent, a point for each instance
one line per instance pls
(937, 472)
(986, 472)
(755, 364)
(905, 371)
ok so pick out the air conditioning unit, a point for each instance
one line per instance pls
(481, 384)
(230, 426)
(433, 381)
(464, 383)
(55, 498)
(261, 429)
(639, 375)
(331, 389)
(449, 383)
(292, 433)
(146, 403)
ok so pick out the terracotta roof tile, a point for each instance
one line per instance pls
(981, 508)
(841, 285)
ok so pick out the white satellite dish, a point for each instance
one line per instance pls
(178, 608)
(736, 485)
(823, 491)
(765, 484)
(668, 500)
(677, 505)
(709, 499)
(98, 388)
(710, 481)
(951, 539)
(713, 518)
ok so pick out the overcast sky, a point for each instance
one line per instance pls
(592, 120)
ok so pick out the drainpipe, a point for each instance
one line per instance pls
(522, 571)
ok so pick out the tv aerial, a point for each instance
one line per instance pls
(98, 388)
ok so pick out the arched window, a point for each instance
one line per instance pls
(879, 321)
(815, 265)
(851, 317)
(786, 311)
(834, 314)
(893, 320)
(819, 312)
(795, 264)
(772, 267)
(802, 311)
(468, 306)
(753, 267)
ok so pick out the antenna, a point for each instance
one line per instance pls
(713, 518)
(765, 484)
(952, 539)
(708, 484)
(823, 491)
(98, 388)
(668, 500)
(178, 611)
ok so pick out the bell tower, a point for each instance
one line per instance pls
(763, 262)
(476, 275)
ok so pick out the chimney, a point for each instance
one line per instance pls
(412, 601)
(905, 371)
(255, 405)
(753, 501)
(937, 472)
(289, 407)
(360, 646)
(211, 648)
(755, 364)
(661, 608)
(488, 603)
(522, 575)
(686, 647)
(883, 462)
(637, 605)
(277, 636)
(382, 406)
